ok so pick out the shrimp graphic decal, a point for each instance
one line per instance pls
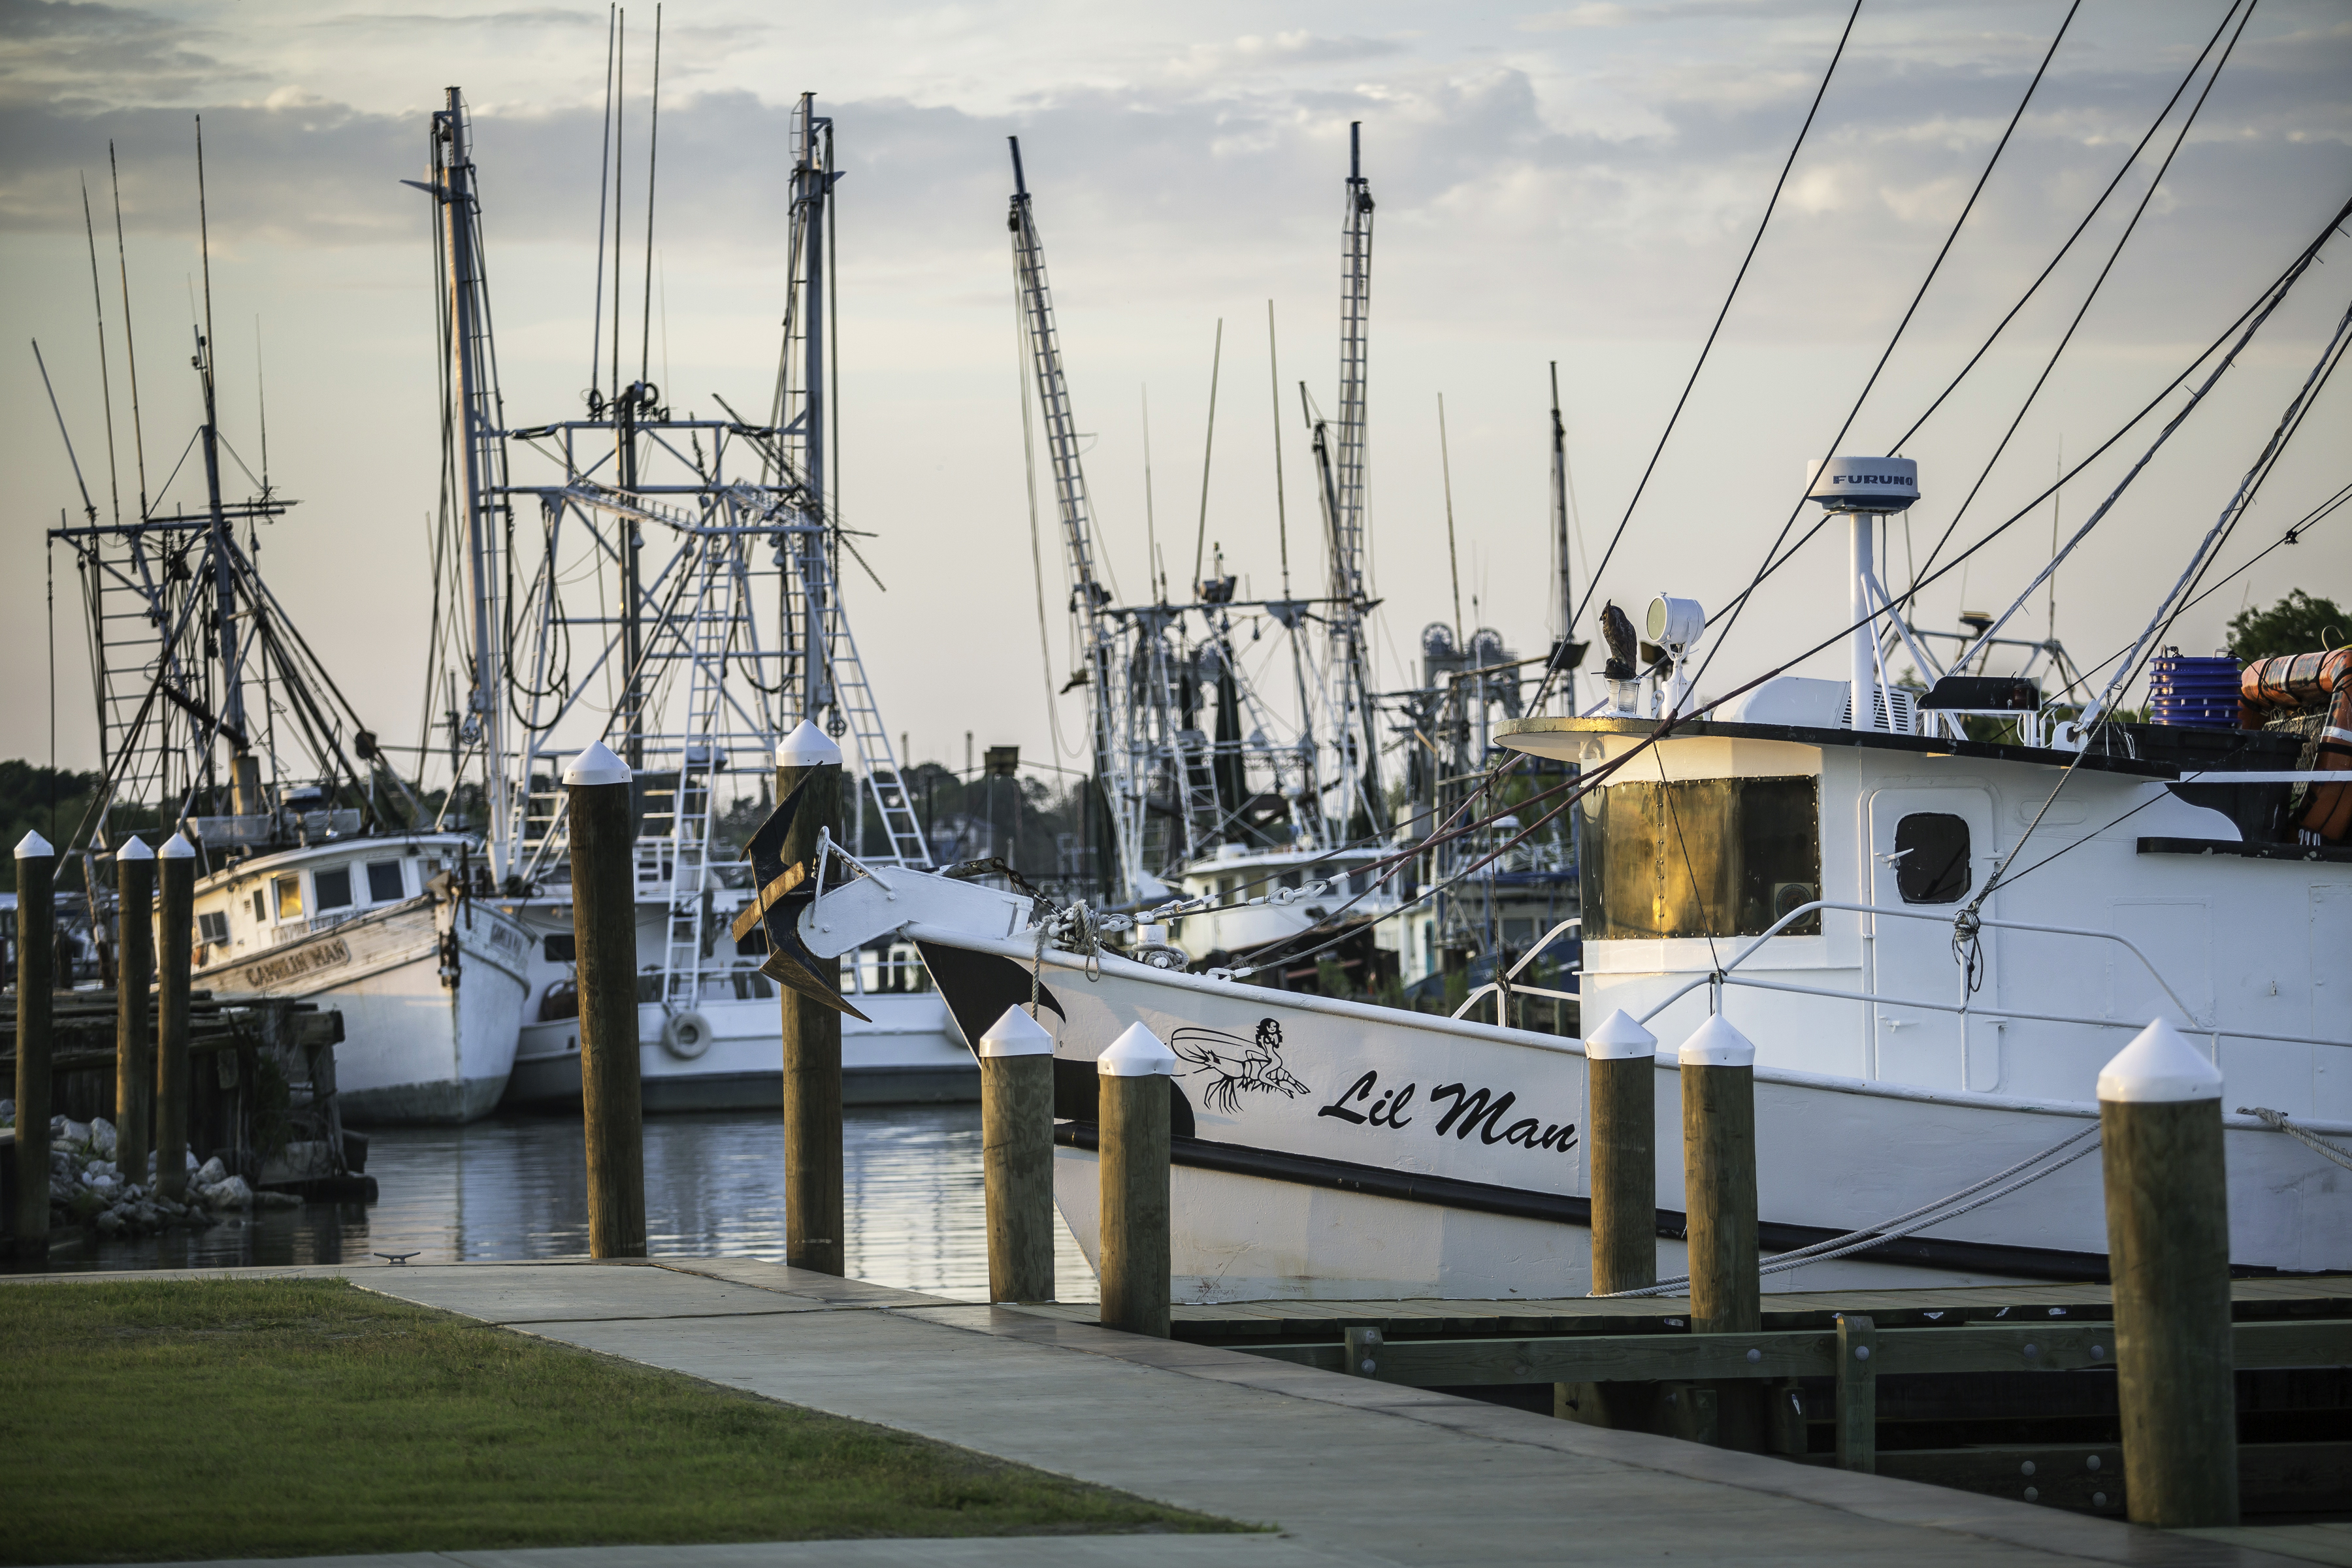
(1237, 1066)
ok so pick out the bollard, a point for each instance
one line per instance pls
(1134, 1079)
(605, 948)
(37, 913)
(134, 1071)
(1718, 1082)
(175, 955)
(808, 760)
(1718, 1091)
(2168, 1254)
(1016, 1144)
(1622, 1104)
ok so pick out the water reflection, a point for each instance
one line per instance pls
(516, 1188)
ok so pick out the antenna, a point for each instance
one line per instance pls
(1151, 526)
(1208, 449)
(205, 237)
(98, 303)
(1020, 184)
(89, 507)
(653, 164)
(1281, 511)
(1452, 558)
(130, 342)
(603, 193)
(261, 395)
(620, 115)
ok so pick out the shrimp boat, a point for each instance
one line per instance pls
(1935, 912)
(320, 873)
(1927, 1037)
(679, 595)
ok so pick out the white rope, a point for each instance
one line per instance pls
(2279, 1124)
(1918, 1219)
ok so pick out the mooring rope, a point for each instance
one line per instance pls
(1918, 1219)
(2277, 1122)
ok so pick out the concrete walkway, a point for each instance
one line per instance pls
(1348, 1471)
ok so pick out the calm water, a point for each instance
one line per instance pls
(516, 1188)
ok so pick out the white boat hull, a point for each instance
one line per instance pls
(906, 1055)
(1467, 1176)
(423, 1040)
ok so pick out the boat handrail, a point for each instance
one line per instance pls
(1718, 976)
(1723, 976)
(1504, 984)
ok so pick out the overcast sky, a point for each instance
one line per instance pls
(1574, 184)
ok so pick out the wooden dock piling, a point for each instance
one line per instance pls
(1718, 1091)
(1135, 1075)
(2169, 1253)
(1622, 1104)
(36, 869)
(808, 760)
(1718, 1083)
(134, 1061)
(174, 942)
(604, 941)
(1016, 1141)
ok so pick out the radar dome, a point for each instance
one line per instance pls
(1865, 484)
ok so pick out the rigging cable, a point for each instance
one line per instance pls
(2289, 422)
(1911, 593)
(2114, 255)
(1592, 582)
(1933, 268)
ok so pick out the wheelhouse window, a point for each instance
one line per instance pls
(289, 889)
(333, 887)
(1700, 858)
(385, 885)
(212, 926)
(1931, 858)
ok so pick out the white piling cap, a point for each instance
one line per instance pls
(32, 846)
(1016, 1035)
(1138, 1053)
(807, 747)
(177, 847)
(1716, 1044)
(2158, 1066)
(135, 849)
(596, 766)
(1618, 1039)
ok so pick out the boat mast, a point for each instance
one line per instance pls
(480, 453)
(1123, 796)
(1357, 722)
(812, 179)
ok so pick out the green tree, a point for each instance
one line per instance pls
(47, 801)
(2296, 623)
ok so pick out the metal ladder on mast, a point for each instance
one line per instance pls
(878, 766)
(708, 633)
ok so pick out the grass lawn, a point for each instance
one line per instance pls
(215, 1418)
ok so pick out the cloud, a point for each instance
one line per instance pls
(1279, 51)
(543, 17)
(97, 55)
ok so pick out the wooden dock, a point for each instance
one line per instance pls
(1242, 1324)
(1953, 1387)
